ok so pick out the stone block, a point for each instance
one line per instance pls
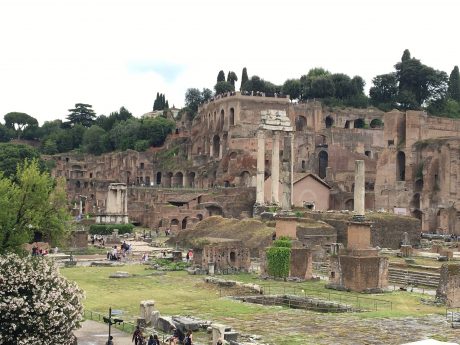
(186, 323)
(146, 309)
(448, 290)
(120, 274)
(406, 251)
(165, 324)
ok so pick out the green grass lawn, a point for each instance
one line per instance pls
(179, 293)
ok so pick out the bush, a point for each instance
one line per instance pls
(107, 229)
(39, 306)
(278, 259)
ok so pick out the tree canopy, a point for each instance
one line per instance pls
(20, 122)
(31, 202)
(82, 114)
(244, 77)
(160, 102)
(12, 155)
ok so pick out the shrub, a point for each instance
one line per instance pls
(278, 259)
(107, 229)
(39, 306)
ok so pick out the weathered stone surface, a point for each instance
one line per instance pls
(120, 274)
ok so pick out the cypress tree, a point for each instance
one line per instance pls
(221, 76)
(406, 55)
(454, 85)
(244, 77)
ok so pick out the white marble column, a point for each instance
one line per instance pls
(275, 167)
(359, 188)
(260, 177)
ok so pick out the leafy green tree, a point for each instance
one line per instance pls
(155, 130)
(221, 76)
(20, 122)
(357, 85)
(49, 147)
(342, 85)
(124, 135)
(223, 87)
(141, 145)
(82, 114)
(232, 78)
(107, 122)
(454, 85)
(48, 128)
(307, 82)
(95, 140)
(385, 91)
(322, 87)
(11, 155)
(206, 95)
(193, 98)
(5, 134)
(419, 82)
(293, 88)
(31, 202)
(244, 78)
(406, 55)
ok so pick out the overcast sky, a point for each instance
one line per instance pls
(112, 53)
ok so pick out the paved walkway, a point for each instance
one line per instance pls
(96, 333)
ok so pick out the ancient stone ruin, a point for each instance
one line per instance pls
(116, 211)
(358, 267)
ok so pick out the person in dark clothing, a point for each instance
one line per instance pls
(110, 341)
(153, 340)
(138, 338)
(188, 338)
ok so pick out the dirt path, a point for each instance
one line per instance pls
(95, 333)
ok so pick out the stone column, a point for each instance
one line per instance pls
(260, 177)
(359, 188)
(211, 149)
(275, 167)
(221, 149)
(81, 205)
(287, 172)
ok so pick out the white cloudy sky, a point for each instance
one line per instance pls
(109, 53)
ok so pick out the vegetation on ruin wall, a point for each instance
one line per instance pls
(107, 229)
(253, 232)
(278, 258)
(433, 143)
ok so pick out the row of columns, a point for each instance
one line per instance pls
(275, 169)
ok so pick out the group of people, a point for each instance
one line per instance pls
(177, 338)
(97, 240)
(115, 255)
(38, 251)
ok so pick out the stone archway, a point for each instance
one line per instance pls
(215, 146)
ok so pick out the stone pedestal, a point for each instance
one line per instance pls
(448, 290)
(359, 235)
(301, 265)
(222, 332)
(146, 310)
(406, 251)
(286, 226)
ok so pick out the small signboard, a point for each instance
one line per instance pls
(117, 312)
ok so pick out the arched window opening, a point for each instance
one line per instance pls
(359, 123)
(322, 163)
(376, 123)
(245, 179)
(232, 257)
(232, 117)
(158, 178)
(347, 124)
(300, 123)
(418, 186)
(349, 205)
(215, 146)
(401, 166)
(221, 119)
(184, 223)
(329, 121)
(178, 179)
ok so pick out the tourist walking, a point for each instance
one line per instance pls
(138, 338)
(188, 338)
(153, 340)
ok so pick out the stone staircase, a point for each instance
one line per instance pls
(404, 277)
